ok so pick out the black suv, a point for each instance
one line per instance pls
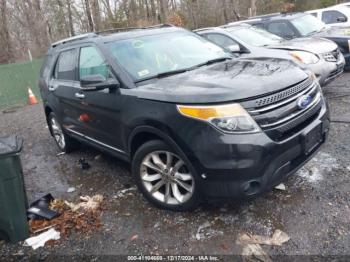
(193, 121)
(299, 25)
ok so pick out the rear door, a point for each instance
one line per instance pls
(64, 86)
(102, 109)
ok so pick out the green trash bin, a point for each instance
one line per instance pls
(13, 198)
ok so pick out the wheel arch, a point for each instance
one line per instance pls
(143, 134)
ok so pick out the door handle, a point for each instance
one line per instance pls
(51, 88)
(79, 95)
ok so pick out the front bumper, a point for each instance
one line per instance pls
(328, 71)
(242, 166)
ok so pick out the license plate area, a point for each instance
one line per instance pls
(312, 138)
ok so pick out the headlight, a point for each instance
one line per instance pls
(304, 57)
(232, 118)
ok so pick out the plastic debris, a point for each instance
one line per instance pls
(97, 157)
(277, 239)
(88, 203)
(281, 187)
(39, 209)
(61, 153)
(71, 190)
(84, 221)
(40, 240)
(121, 193)
(84, 164)
(200, 235)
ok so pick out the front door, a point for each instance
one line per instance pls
(101, 116)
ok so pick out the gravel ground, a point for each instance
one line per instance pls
(314, 210)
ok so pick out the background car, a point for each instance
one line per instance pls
(337, 15)
(301, 25)
(320, 55)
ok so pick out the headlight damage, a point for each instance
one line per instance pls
(232, 118)
(304, 57)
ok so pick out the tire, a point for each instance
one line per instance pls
(171, 185)
(64, 142)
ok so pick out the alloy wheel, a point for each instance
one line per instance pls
(167, 178)
(58, 133)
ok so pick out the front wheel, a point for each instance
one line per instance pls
(64, 142)
(164, 178)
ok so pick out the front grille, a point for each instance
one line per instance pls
(332, 56)
(267, 100)
(283, 117)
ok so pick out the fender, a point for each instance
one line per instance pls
(167, 138)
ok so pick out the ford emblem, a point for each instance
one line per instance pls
(304, 101)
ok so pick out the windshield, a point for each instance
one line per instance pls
(308, 24)
(255, 36)
(148, 56)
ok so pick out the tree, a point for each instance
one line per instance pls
(6, 52)
(88, 15)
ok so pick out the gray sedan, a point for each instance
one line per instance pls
(320, 55)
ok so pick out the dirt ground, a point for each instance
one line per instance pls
(314, 210)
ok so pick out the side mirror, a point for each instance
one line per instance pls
(341, 19)
(97, 82)
(234, 48)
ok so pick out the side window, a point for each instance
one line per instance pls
(281, 29)
(221, 40)
(332, 17)
(92, 63)
(66, 64)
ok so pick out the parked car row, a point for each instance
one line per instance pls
(195, 119)
(321, 56)
(302, 25)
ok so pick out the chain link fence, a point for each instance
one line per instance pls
(15, 80)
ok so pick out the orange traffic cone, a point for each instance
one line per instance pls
(31, 97)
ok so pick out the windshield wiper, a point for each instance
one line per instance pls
(164, 74)
(180, 71)
(213, 61)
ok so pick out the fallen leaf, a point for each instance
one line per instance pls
(252, 251)
(277, 239)
(134, 237)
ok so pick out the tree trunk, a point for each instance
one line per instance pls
(96, 14)
(224, 10)
(163, 4)
(70, 18)
(6, 52)
(252, 8)
(88, 15)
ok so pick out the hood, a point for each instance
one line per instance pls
(227, 81)
(315, 45)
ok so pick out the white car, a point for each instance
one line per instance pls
(334, 16)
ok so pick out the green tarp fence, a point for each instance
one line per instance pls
(15, 80)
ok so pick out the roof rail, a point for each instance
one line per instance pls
(73, 38)
(204, 28)
(229, 25)
(125, 29)
(265, 16)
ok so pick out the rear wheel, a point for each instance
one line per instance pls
(164, 178)
(63, 141)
